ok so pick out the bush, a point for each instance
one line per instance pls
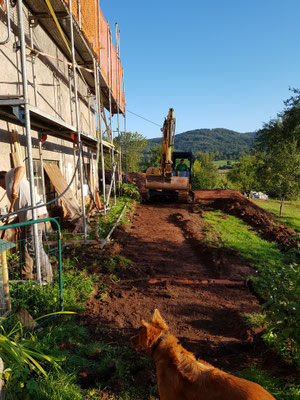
(130, 190)
(280, 287)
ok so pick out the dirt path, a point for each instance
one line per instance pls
(167, 241)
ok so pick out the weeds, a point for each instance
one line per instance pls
(106, 222)
(279, 389)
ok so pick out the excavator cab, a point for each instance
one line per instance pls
(183, 164)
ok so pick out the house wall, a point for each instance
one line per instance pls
(53, 97)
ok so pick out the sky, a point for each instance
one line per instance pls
(219, 64)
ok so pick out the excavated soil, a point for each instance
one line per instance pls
(165, 241)
(234, 203)
(172, 269)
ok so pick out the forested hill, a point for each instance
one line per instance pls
(224, 143)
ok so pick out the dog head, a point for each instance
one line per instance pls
(149, 333)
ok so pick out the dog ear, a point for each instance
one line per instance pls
(158, 320)
(144, 323)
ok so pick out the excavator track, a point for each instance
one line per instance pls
(183, 197)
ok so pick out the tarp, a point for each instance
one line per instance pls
(60, 184)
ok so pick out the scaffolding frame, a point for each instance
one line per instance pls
(18, 110)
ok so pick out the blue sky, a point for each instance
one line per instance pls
(219, 64)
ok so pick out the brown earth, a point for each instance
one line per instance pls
(165, 241)
(234, 203)
(172, 268)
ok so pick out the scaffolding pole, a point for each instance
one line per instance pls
(80, 154)
(110, 111)
(28, 135)
(99, 130)
(118, 111)
(33, 58)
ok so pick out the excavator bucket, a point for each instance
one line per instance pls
(162, 183)
(168, 187)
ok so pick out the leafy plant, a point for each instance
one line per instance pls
(130, 190)
(22, 360)
(281, 289)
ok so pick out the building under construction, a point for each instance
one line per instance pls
(61, 98)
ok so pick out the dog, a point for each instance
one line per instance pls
(181, 377)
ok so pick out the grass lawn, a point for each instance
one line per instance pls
(277, 280)
(290, 211)
(221, 163)
(237, 234)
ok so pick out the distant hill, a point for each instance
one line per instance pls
(224, 143)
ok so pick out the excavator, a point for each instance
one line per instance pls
(165, 182)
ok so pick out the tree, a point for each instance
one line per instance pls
(206, 174)
(134, 143)
(244, 174)
(153, 158)
(281, 171)
(279, 142)
(285, 128)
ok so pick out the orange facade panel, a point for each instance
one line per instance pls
(104, 49)
(114, 74)
(91, 17)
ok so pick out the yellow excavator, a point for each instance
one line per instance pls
(165, 181)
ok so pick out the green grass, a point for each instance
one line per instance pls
(290, 211)
(235, 233)
(221, 163)
(280, 389)
(106, 222)
(83, 352)
(277, 280)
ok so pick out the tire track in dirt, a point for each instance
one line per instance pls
(166, 240)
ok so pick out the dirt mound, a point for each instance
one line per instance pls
(234, 203)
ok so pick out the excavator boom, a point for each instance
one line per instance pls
(162, 181)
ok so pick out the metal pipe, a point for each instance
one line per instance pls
(118, 114)
(183, 281)
(8, 23)
(110, 110)
(77, 119)
(89, 106)
(33, 58)
(125, 127)
(100, 112)
(99, 33)
(72, 123)
(42, 169)
(101, 144)
(99, 129)
(111, 183)
(113, 228)
(126, 178)
(70, 92)
(28, 134)
(79, 13)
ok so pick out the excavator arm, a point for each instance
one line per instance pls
(160, 180)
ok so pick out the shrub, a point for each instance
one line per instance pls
(131, 190)
(280, 286)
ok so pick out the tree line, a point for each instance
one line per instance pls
(274, 163)
(271, 165)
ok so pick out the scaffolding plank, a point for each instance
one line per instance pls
(60, 184)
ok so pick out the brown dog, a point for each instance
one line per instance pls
(181, 377)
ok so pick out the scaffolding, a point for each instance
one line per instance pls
(80, 32)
